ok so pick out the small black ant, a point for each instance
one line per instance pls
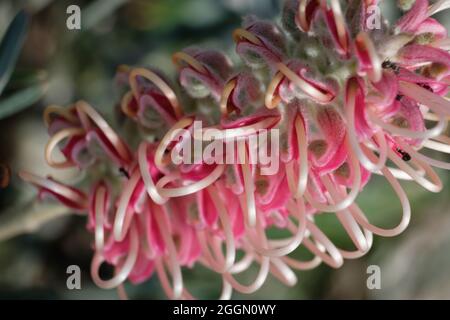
(399, 97)
(124, 173)
(405, 155)
(391, 65)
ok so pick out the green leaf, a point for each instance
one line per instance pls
(22, 99)
(11, 45)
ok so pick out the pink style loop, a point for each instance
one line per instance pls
(65, 113)
(100, 213)
(226, 94)
(301, 18)
(241, 34)
(53, 143)
(435, 131)
(220, 264)
(406, 208)
(355, 146)
(433, 101)
(416, 155)
(272, 98)
(260, 278)
(191, 188)
(322, 247)
(175, 268)
(298, 185)
(346, 201)
(364, 44)
(226, 292)
(362, 241)
(158, 82)
(280, 270)
(307, 88)
(122, 274)
(303, 265)
(86, 112)
(282, 247)
(78, 198)
(125, 105)
(249, 205)
(339, 22)
(433, 184)
(440, 143)
(160, 266)
(123, 216)
(182, 57)
(150, 186)
(240, 132)
(176, 132)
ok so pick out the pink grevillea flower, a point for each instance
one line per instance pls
(346, 102)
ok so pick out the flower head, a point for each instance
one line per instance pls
(345, 100)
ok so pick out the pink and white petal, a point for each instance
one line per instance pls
(410, 21)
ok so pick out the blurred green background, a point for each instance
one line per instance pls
(59, 66)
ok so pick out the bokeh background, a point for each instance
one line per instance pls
(58, 66)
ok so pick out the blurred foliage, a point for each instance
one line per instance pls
(58, 66)
(11, 45)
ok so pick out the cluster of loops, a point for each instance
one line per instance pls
(343, 103)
